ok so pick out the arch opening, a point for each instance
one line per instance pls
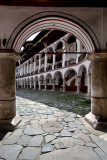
(57, 23)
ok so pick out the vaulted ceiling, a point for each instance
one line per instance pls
(55, 3)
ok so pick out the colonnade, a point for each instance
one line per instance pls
(36, 84)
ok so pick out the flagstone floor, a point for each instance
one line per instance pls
(48, 133)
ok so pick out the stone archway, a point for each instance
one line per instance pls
(70, 76)
(48, 82)
(58, 80)
(41, 82)
(53, 23)
(82, 74)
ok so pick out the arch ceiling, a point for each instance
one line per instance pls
(53, 23)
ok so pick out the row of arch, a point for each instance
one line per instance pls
(47, 81)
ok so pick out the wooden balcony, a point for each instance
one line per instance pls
(49, 68)
(58, 65)
(70, 62)
(81, 58)
(41, 70)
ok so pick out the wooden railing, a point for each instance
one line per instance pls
(41, 70)
(49, 68)
(70, 62)
(58, 65)
(81, 57)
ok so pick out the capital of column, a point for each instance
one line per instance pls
(9, 54)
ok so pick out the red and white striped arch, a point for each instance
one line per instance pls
(53, 23)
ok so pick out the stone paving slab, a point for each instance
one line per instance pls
(46, 133)
(30, 153)
(75, 153)
(10, 152)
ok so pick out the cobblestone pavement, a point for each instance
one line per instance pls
(48, 133)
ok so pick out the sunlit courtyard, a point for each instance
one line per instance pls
(68, 101)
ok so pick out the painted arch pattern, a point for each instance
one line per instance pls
(54, 23)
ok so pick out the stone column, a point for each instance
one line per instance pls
(27, 84)
(8, 118)
(98, 115)
(64, 84)
(78, 84)
(24, 83)
(34, 69)
(53, 87)
(89, 84)
(53, 61)
(30, 83)
(39, 84)
(34, 83)
(45, 84)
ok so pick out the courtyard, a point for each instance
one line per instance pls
(53, 128)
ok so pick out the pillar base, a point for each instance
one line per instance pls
(52, 90)
(96, 122)
(10, 124)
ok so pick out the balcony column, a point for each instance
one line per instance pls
(98, 115)
(27, 67)
(64, 84)
(45, 83)
(39, 63)
(8, 118)
(53, 87)
(53, 61)
(78, 49)
(63, 59)
(24, 69)
(30, 68)
(34, 66)
(78, 84)
(89, 84)
(46, 57)
(20, 71)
